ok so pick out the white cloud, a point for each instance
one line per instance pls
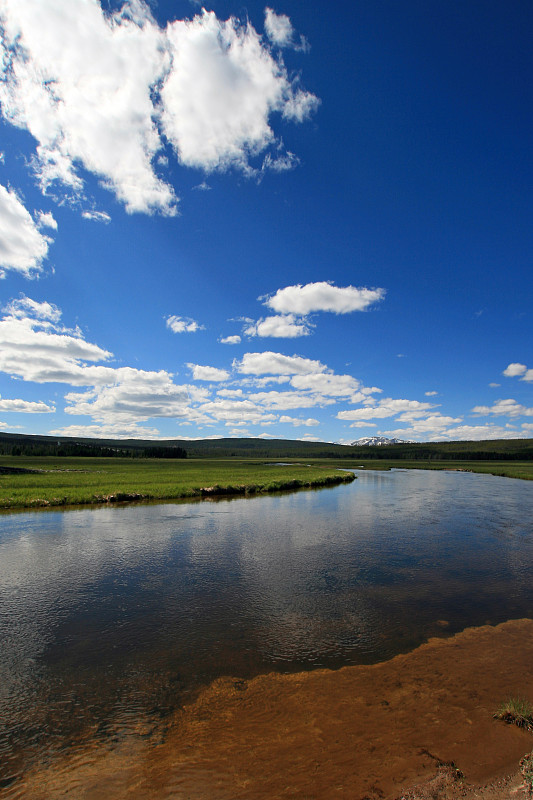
(280, 327)
(200, 373)
(507, 407)
(323, 296)
(134, 395)
(276, 364)
(326, 383)
(515, 370)
(96, 216)
(431, 394)
(81, 83)
(230, 393)
(297, 422)
(385, 408)
(236, 411)
(236, 339)
(286, 400)
(433, 422)
(459, 433)
(494, 385)
(117, 430)
(26, 406)
(46, 220)
(183, 325)
(220, 91)
(309, 438)
(24, 306)
(278, 28)
(22, 247)
(35, 349)
(100, 91)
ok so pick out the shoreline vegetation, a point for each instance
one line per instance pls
(52, 481)
(420, 725)
(44, 482)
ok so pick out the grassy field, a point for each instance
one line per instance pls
(506, 469)
(79, 481)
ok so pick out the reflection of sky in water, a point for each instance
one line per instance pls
(104, 612)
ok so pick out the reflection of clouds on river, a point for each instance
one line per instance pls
(355, 573)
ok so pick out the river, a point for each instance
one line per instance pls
(116, 614)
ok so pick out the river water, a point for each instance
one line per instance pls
(117, 614)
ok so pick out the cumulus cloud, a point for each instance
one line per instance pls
(385, 408)
(519, 370)
(106, 91)
(323, 296)
(279, 326)
(515, 369)
(117, 430)
(431, 394)
(507, 407)
(278, 28)
(236, 339)
(183, 325)
(23, 247)
(81, 83)
(276, 364)
(220, 92)
(214, 374)
(135, 395)
(286, 400)
(298, 422)
(26, 406)
(460, 432)
(330, 384)
(234, 411)
(35, 347)
(24, 306)
(45, 219)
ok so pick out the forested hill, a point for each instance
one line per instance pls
(492, 450)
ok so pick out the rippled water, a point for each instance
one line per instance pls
(111, 617)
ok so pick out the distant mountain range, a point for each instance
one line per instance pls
(378, 441)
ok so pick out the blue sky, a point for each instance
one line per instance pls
(303, 220)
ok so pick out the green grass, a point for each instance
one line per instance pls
(516, 711)
(79, 481)
(505, 469)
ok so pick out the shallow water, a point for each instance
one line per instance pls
(110, 617)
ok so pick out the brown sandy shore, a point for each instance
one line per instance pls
(359, 733)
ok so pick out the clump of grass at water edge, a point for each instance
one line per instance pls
(516, 711)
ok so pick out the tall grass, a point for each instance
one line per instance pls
(79, 481)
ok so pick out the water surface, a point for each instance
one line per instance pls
(110, 617)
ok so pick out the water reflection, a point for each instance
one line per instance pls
(110, 616)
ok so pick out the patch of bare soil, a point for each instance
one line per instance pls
(416, 727)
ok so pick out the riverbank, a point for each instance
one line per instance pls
(359, 732)
(40, 482)
(502, 469)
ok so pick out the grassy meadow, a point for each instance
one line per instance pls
(53, 481)
(80, 481)
(505, 469)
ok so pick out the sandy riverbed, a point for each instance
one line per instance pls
(359, 733)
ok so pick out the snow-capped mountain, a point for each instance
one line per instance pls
(377, 441)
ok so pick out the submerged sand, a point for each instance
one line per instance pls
(359, 733)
